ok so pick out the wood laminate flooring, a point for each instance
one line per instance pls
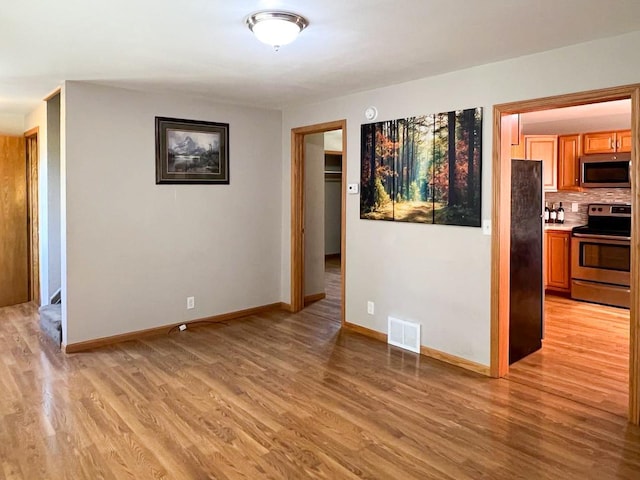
(284, 396)
(584, 355)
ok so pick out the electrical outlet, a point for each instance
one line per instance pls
(191, 303)
(371, 307)
(574, 207)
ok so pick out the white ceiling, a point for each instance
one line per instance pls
(584, 118)
(204, 47)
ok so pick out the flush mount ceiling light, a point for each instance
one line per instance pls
(276, 28)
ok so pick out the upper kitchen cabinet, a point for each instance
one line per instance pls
(607, 142)
(545, 148)
(624, 140)
(568, 162)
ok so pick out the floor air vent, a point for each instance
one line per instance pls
(404, 334)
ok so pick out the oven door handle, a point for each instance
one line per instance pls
(602, 237)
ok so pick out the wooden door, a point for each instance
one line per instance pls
(599, 142)
(568, 169)
(32, 215)
(545, 148)
(14, 275)
(623, 141)
(558, 261)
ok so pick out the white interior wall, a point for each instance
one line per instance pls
(133, 250)
(440, 275)
(332, 198)
(38, 118)
(12, 124)
(53, 187)
(314, 214)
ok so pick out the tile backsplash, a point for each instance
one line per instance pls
(583, 199)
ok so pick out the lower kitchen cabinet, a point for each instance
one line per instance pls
(557, 261)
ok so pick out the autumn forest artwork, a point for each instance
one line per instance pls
(424, 169)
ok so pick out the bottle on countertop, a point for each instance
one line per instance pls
(553, 214)
(560, 214)
(546, 212)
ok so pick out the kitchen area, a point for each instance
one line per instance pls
(585, 152)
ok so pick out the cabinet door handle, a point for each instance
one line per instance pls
(611, 143)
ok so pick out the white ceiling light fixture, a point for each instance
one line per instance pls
(276, 28)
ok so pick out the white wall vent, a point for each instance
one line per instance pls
(404, 334)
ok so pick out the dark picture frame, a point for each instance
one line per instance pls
(191, 151)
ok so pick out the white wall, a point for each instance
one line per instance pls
(53, 187)
(332, 197)
(436, 274)
(38, 118)
(314, 214)
(12, 124)
(133, 250)
(332, 214)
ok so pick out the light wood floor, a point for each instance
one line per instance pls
(284, 396)
(584, 356)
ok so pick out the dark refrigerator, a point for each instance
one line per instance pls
(526, 283)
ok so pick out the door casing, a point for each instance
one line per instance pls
(297, 211)
(32, 149)
(501, 212)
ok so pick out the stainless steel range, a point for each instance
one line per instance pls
(601, 256)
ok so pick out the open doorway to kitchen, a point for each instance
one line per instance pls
(318, 186)
(589, 351)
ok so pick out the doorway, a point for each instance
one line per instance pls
(33, 231)
(298, 238)
(501, 221)
(19, 266)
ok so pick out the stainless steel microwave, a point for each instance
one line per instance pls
(605, 170)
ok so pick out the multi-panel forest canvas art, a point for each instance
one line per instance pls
(423, 169)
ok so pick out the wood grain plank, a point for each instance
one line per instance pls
(281, 395)
(14, 283)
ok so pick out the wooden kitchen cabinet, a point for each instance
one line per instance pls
(545, 148)
(557, 261)
(607, 142)
(624, 141)
(568, 162)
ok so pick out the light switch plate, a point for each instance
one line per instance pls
(352, 188)
(486, 227)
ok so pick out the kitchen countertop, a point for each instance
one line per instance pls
(562, 227)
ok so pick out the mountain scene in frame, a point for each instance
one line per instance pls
(194, 152)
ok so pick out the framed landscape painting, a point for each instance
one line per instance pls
(425, 169)
(191, 151)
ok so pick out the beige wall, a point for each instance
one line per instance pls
(314, 214)
(439, 275)
(133, 250)
(11, 124)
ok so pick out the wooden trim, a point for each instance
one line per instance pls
(426, 351)
(31, 132)
(367, 332)
(297, 210)
(286, 307)
(52, 94)
(164, 329)
(33, 225)
(308, 299)
(501, 208)
(455, 360)
(332, 152)
(634, 324)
